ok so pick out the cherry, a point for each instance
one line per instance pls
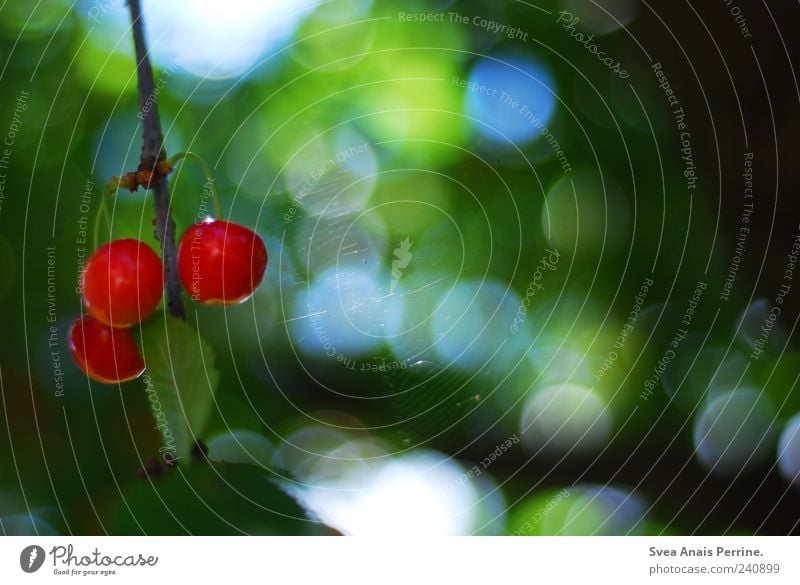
(220, 262)
(123, 283)
(106, 355)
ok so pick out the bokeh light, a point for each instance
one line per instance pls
(333, 174)
(341, 242)
(698, 373)
(335, 37)
(586, 214)
(565, 419)
(207, 41)
(603, 510)
(789, 451)
(734, 432)
(241, 446)
(416, 493)
(344, 314)
(581, 510)
(25, 525)
(33, 19)
(510, 98)
(471, 327)
(419, 294)
(411, 109)
(751, 321)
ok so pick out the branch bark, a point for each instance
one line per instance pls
(153, 153)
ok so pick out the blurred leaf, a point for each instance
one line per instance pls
(211, 499)
(181, 380)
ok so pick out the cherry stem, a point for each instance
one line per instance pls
(101, 213)
(152, 153)
(209, 177)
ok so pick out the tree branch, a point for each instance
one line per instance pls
(152, 154)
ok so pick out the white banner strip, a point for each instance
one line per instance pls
(353, 561)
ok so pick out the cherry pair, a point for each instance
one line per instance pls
(219, 262)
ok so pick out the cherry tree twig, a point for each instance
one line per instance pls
(152, 156)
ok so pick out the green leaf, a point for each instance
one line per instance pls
(180, 382)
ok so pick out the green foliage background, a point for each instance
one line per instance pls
(71, 459)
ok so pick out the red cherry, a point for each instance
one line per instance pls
(123, 283)
(107, 355)
(221, 262)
